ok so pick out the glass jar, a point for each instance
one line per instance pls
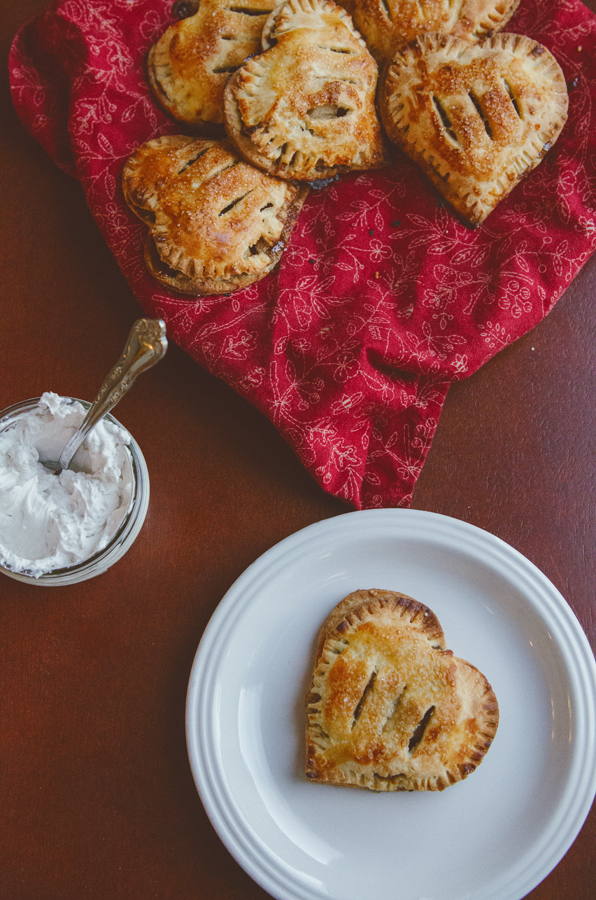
(129, 527)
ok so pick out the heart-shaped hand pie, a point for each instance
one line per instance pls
(216, 223)
(305, 108)
(475, 117)
(390, 709)
(189, 66)
(386, 24)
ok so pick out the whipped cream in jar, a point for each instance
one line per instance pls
(62, 529)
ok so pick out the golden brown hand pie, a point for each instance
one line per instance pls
(475, 117)
(390, 709)
(304, 109)
(385, 24)
(216, 223)
(189, 66)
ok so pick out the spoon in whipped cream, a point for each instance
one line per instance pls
(146, 345)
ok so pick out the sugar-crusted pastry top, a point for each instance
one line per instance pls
(476, 117)
(385, 24)
(390, 709)
(189, 65)
(304, 109)
(216, 222)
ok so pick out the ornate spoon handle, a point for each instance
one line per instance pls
(145, 346)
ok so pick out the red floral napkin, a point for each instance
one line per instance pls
(382, 297)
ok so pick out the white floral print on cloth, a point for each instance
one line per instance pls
(382, 298)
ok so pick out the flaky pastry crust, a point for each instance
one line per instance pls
(305, 108)
(189, 65)
(476, 117)
(386, 24)
(390, 709)
(216, 223)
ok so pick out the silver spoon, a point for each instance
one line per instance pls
(146, 344)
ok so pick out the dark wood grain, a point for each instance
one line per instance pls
(96, 793)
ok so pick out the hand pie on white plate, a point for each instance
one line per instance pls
(477, 117)
(385, 24)
(304, 109)
(189, 65)
(390, 709)
(216, 223)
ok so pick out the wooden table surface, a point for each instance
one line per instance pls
(96, 794)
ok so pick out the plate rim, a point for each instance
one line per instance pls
(265, 866)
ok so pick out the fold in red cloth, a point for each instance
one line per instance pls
(382, 297)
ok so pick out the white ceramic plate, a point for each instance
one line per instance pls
(494, 836)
